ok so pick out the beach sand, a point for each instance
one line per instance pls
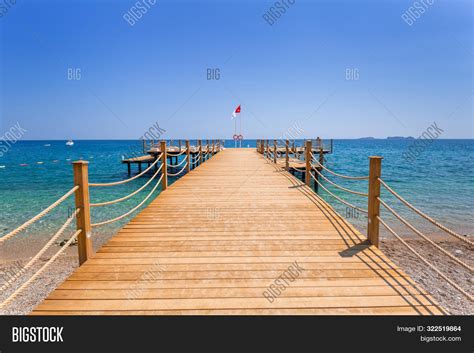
(453, 301)
(449, 298)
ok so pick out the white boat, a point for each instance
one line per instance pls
(70, 143)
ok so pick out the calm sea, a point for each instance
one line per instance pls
(33, 174)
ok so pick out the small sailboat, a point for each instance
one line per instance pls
(70, 143)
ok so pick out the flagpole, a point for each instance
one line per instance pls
(240, 133)
(235, 132)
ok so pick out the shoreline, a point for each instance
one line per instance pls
(448, 297)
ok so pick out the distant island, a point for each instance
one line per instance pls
(388, 138)
(400, 138)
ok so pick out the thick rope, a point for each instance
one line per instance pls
(425, 261)
(340, 187)
(176, 165)
(401, 219)
(132, 210)
(340, 175)
(337, 197)
(40, 271)
(41, 252)
(195, 159)
(182, 169)
(449, 231)
(299, 169)
(129, 195)
(39, 215)
(130, 179)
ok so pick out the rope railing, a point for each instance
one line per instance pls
(129, 195)
(337, 197)
(374, 201)
(182, 169)
(82, 211)
(426, 262)
(425, 216)
(39, 215)
(35, 258)
(40, 271)
(195, 158)
(339, 186)
(176, 165)
(340, 175)
(299, 169)
(132, 210)
(129, 179)
(404, 221)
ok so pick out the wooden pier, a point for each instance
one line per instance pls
(219, 240)
(153, 150)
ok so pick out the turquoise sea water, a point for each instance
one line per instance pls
(440, 182)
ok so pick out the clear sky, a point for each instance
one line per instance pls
(291, 72)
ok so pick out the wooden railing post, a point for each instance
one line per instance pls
(375, 172)
(144, 146)
(213, 146)
(266, 148)
(200, 151)
(188, 156)
(83, 218)
(274, 151)
(287, 155)
(308, 147)
(164, 161)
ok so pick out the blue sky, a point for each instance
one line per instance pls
(291, 72)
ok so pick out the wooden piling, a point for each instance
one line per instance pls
(274, 151)
(83, 217)
(188, 156)
(308, 146)
(375, 172)
(200, 151)
(164, 161)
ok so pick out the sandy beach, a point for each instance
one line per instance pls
(453, 301)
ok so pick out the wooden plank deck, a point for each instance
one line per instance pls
(215, 240)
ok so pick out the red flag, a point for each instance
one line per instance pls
(236, 111)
